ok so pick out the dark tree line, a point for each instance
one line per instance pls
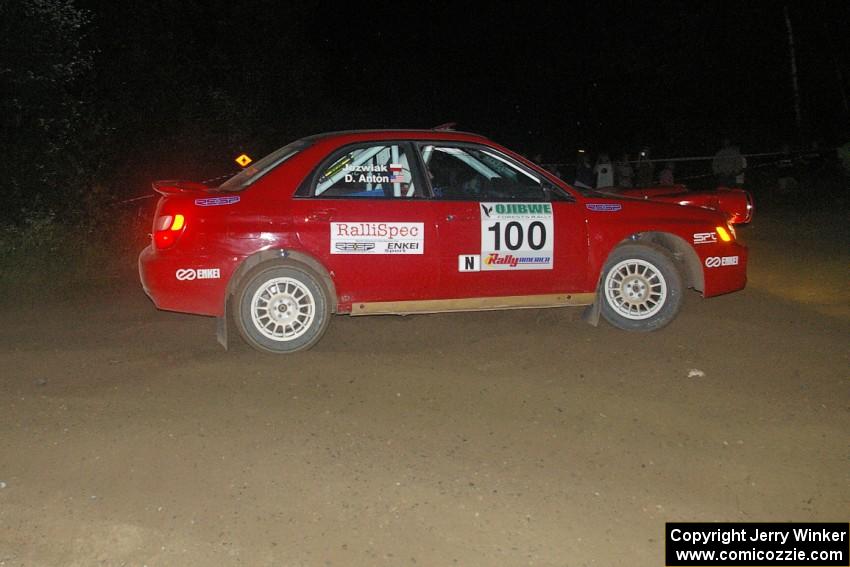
(101, 97)
(45, 119)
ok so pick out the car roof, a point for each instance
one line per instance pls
(395, 134)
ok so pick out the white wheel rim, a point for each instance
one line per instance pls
(283, 309)
(635, 289)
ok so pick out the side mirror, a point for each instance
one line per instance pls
(553, 193)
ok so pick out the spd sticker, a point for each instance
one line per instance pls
(705, 238)
(217, 201)
(517, 236)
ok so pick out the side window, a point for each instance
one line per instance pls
(377, 171)
(477, 174)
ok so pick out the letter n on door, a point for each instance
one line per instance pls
(469, 263)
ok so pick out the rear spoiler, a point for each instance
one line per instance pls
(170, 187)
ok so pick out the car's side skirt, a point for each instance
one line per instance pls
(472, 304)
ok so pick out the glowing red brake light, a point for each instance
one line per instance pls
(167, 229)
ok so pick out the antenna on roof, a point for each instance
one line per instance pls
(446, 126)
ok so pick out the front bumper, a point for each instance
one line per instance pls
(724, 268)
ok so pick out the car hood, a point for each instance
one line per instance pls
(634, 207)
(736, 204)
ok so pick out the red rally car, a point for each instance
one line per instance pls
(420, 221)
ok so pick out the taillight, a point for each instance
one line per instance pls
(167, 229)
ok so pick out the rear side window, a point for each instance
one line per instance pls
(377, 171)
(256, 170)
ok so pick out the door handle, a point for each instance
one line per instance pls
(450, 218)
(321, 215)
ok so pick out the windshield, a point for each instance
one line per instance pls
(256, 170)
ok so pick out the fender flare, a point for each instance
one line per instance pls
(682, 254)
(270, 256)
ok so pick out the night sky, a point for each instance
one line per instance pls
(186, 85)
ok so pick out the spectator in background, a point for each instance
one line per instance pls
(584, 173)
(728, 165)
(786, 177)
(625, 173)
(604, 171)
(645, 168)
(666, 175)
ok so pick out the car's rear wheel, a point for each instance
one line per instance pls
(282, 308)
(641, 288)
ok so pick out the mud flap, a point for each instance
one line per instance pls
(591, 313)
(221, 327)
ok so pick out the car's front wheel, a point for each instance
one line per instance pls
(282, 308)
(641, 289)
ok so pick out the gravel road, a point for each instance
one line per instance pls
(129, 437)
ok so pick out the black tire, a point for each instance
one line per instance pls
(640, 289)
(281, 308)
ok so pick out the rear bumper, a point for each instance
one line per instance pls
(188, 284)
